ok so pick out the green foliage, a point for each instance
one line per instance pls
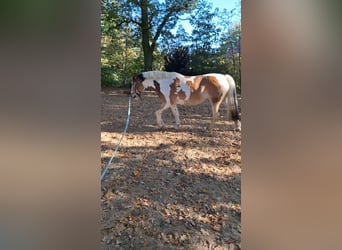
(108, 77)
(119, 62)
(231, 50)
(178, 60)
(121, 54)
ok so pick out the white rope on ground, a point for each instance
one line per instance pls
(122, 136)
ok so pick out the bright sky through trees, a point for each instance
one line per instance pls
(221, 4)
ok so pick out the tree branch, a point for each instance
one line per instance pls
(184, 19)
(160, 28)
(127, 21)
(135, 21)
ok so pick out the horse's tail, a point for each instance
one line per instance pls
(231, 100)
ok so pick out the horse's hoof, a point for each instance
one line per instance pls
(238, 126)
(209, 128)
(176, 126)
(161, 127)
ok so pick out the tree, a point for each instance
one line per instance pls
(205, 32)
(178, 60)
(170, 41)
(153, 18)
(231, 50)
(120, 51)
(139, 35)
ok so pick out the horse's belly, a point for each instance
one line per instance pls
(187, 97)
(194, 101)
(180, 101)
(183, 95)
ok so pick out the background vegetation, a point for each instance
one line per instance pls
(138, 35)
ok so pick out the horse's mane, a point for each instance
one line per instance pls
(161, 75)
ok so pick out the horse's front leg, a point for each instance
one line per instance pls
(159, 115)
(175, 112)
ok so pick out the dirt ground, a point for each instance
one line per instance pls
(168, 189)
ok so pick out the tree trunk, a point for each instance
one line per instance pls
(148, 59)
(148, 53)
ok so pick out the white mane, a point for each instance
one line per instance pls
(161, 75)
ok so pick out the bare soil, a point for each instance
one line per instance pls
(168, 189)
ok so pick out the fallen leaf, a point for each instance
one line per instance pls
(136, 173)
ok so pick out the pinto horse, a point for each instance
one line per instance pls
(174, 88)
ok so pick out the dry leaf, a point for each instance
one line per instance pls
(136, 173)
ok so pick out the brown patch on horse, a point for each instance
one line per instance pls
(156, 86)
(200, 84)
(194, 85)
(173, 91)
(196, 90)
(181, 95)
(213, 88)
(174, 95)
(138, 80)
(177, 82)
(160, 95)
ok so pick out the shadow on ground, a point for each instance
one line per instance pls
(170, 189)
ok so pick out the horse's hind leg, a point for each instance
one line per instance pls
(230, 111)
(229, 115)
(215, 108)
(175, 112)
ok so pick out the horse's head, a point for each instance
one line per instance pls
(137, 85)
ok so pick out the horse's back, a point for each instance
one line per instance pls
(158, 75)
(218, 81)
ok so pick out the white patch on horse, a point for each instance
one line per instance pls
(158, 75)
(148, 83)
(165, 88)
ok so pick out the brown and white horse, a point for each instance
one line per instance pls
(174, 88)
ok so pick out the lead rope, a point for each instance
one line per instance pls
(122, 136)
